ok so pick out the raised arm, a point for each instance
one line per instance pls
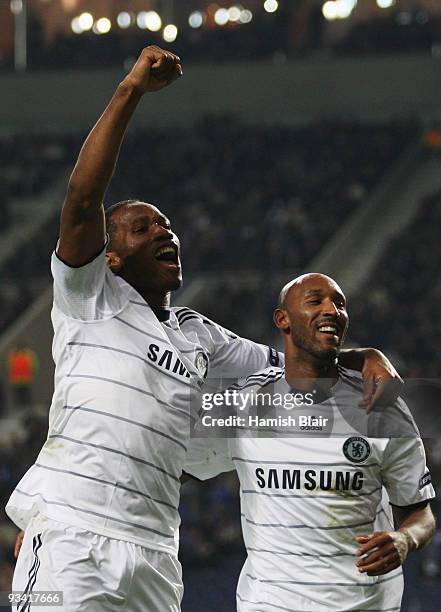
(82, 218)
(387, 550)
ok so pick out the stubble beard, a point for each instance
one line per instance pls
(325, 358)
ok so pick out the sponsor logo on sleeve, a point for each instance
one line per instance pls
(356, 449)
(273, 357)
(425, 480)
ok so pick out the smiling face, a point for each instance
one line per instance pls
(313, 315)
(143, 250)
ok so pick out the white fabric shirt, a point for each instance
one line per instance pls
(127, 388)
(305, 499)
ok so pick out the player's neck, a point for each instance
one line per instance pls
(155, 300)
(303, 370)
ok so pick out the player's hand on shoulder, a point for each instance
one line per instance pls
(382, 551)
(381, 382)
(154, 69)
(18, 543)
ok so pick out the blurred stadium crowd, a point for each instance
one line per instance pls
(404, 294)
(28, 165)
(284, 192)
(255, 199)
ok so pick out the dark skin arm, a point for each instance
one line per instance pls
(82, 227)
(381, 382)
(416, 527)
(18, 543)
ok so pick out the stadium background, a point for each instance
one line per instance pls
(306, 135)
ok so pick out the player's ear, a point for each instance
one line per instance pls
(281, 320)
(114, 261)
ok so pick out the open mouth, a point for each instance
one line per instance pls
(168, 255)
(330, 329)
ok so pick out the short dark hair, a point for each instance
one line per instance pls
(111, 225)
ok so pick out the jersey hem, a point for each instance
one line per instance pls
(14, 512)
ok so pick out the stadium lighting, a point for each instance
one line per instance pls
(245, 16)
(221, 17)
(153, 21)
(329, 10)
(195, 19)
(345, 8)
(170, 33)
(271, 6)
(234, 13)
(75, 26)
(124, 20)
(385, 3)
(85, 21)
(141, 21)
(102, 26)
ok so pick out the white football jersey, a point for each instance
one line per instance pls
(305, 498)
(127, 388)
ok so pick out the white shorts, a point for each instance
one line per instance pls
(95, 573)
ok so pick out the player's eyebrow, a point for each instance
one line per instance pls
(160, 217)
(319, 293)
(141, 218)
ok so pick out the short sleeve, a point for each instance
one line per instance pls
(208, 457)
(87, 293)
(235, 357)
(405, 473)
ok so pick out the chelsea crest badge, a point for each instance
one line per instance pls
(201, 363)
(356, 449)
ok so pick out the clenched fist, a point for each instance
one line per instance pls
(154, 70)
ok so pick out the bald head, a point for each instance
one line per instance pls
(300, 282)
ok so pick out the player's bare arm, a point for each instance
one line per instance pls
(381, 382)
(82, 218)
(18, 543)
(386, 550)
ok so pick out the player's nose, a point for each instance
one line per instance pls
(329, 308)
(162, 233)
